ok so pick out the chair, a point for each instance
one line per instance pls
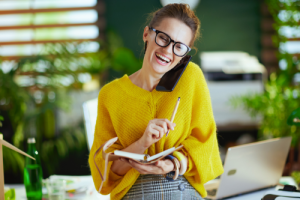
(90, 117)
(90, 108)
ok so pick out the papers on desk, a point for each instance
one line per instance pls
(281, 195)
(284, 193)
(287, 195)
(80, 188)
(74, 184)
(287, 180)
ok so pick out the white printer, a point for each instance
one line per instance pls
(232, 73)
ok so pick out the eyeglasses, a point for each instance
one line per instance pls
(163, 40)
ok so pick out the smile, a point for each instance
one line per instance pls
(162, 58)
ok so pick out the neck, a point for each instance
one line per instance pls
(145, 78)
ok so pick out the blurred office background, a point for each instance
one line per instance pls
(57, 54)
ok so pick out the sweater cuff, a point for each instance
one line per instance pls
(190, 166)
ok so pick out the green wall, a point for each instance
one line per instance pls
(226, 25)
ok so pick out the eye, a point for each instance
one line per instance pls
(179, 46)
(164, 38)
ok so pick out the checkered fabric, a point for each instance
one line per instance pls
(156, 187)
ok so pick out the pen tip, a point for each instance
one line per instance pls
(178, 98)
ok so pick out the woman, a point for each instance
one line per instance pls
(131, 109)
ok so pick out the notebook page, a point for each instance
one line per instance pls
(134, 156)
(166, 152)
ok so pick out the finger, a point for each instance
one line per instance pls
(170, 125)
(158, 163)
(141, 166)
(154, 132)
(161, 131)
(161, 164)
(167, 124)
(143, 169)
(162, 123)
(135, 164)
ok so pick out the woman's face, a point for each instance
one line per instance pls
(162, 59)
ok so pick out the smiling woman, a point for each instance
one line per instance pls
(166, 44)
(131, 109)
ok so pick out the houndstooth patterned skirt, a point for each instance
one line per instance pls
(149, 187)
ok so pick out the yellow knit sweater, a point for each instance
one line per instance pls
(124, 111)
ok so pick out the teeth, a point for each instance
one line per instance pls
(162, 57)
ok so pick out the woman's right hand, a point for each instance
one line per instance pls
(155, 130)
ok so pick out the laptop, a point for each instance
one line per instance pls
(250, 167)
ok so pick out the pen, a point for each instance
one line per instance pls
(174, 113)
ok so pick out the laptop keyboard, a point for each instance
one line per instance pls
(212, 192)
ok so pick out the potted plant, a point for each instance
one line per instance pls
(37, 86)
(282, 90)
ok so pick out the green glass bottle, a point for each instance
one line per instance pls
(33, 174)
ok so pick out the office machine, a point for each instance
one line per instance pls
(231, 74)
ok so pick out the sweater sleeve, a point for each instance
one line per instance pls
(201, 146)
(104, 131)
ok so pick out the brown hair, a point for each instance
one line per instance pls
(181, 12)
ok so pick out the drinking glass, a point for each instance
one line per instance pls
(56, 189)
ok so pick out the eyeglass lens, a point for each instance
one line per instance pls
(163, 40)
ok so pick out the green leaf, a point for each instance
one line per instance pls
(10, 194)
(296, 176)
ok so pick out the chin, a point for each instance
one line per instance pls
(160, 69)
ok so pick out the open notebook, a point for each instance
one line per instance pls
(144, 158)
(140, 158)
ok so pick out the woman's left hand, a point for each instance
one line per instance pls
(160, 167)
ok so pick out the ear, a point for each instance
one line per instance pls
(146, 33)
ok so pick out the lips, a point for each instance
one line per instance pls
(162, 58)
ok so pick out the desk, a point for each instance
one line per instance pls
(89, 194)
(257, 195)
(92, 194)
(21, 194)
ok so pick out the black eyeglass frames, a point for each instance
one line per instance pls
(163, 40)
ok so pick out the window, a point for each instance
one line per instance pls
(27, 25)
